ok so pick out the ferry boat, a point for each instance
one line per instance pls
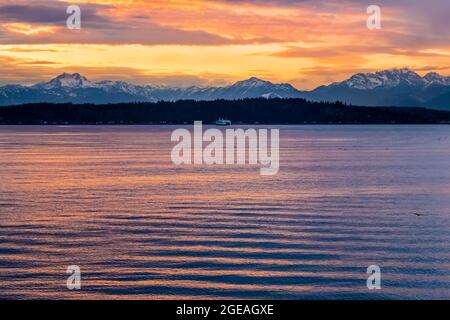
(223, 122)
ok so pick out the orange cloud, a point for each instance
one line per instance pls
(28, 29)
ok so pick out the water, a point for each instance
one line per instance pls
(109, 200)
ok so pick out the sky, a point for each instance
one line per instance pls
(215, 42)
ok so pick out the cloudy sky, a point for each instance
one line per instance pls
(214, 42)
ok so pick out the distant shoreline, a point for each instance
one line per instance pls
(240, 112)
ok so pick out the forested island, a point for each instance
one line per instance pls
(247, 111)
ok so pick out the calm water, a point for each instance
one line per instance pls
(109, 200)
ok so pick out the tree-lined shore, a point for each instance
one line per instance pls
(248, 111)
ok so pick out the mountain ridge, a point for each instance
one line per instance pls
(394, 87)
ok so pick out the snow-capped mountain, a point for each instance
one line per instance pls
(393, 78)
(436, 79)
(386, 79)
(76, 88)
(66, 80)
(255, 88)
(398, 87)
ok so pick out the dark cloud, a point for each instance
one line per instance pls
(49, 13)
(97, 28)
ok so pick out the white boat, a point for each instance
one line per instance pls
(223, 122)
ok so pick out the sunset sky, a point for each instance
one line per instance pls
(214, 42)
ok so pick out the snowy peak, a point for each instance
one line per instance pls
(121, 86)
(386, 79)
(70, 81)
(67, 80)
(252, 83)
(393, 78)
(258, 83)
(396, 87)
(255, 87)
(434, 78)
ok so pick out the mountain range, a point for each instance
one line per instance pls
(397, 87)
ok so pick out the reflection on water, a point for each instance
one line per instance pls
(109, 200)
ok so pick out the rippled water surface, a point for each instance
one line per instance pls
(109, 200)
